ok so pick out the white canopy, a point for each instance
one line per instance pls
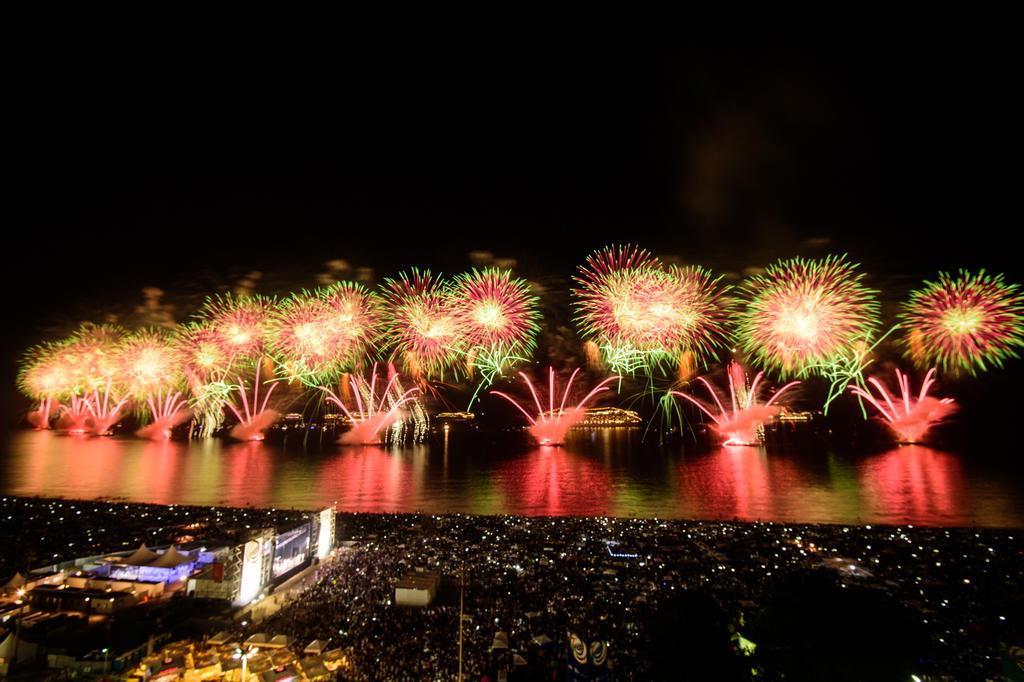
(17, 581)
(142, 556)
(171, 558)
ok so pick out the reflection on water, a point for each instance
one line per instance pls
(599, 472)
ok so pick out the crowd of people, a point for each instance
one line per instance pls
(934, 602)
(611, 580)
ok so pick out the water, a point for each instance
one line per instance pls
(599, 472)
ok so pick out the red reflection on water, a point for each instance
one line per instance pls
(157, 472)
(745, 483)
(914, 484)
(557, 482)
(247, 471)
(369, 479)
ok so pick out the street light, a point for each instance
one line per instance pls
(244, 655)
(105, 652)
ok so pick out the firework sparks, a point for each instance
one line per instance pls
(801, 313)
(253, 416)
(550, 426)
(969, 322)
(423, 328)
(743, 422)
(240, 324)
(909, 418)
(149, 363)
(641, 313)
(45, 376)
(317, 336)
(371, 414)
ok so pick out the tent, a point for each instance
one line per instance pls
(8, 643)
(16, 582)
(542, 641)
(142, 556)
(500, 641)
(222, 637)
(316, 647)
(171, 559)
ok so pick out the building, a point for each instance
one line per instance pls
(417, 588)
(83, 599)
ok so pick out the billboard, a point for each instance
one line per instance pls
(291, 549)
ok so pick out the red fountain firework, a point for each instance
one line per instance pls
(317, 336)
(104, 406)
(167, 411)
(371, 414)
(241, 324)
(968, 323)
(743, 424)
(801, 313)
(641, 313)
(253, 416)
(423, 328)
(909, 418)
(550, 426)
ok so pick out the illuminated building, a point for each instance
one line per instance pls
(610, 416)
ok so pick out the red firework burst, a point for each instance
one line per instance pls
(965, 323)
(800, 313)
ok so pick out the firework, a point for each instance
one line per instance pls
(45, 376)
(550, 426)
(495, 310)
(969, 322)
(743, 422)
(848, 365)
(317, 336)
(370, 413)
(252, 414)
(240, 323)
(641, 313)
(167, 411)
(423, 327)
(909, 418)
(149, 363)
(91, 355)
(801, 313)
(203, 356)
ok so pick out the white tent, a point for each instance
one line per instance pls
(500, 642)
(142, 556)
(26, 651)
(171, 558)
(16, 582)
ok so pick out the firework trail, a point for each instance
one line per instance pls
(742, 423)
(550, 426)
(801, 313)
(206, 364)
(167, 411)
(423, 328)
(370, 413)
(253, 416)
(641, 314)
(967, 323)
(318, 336)
(847, 366)
(909, 418)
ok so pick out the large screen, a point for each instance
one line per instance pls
(291, 549)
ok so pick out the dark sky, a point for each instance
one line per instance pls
(140, 153)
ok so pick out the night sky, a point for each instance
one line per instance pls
(139, 155)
